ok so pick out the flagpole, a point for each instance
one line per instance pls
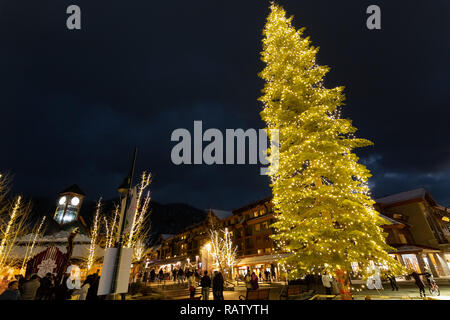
(129, 183)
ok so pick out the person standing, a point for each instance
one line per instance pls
(326, 282)
(161, 275)
(254, 281)
(45, 290)
(174, 275)
(93, 287)
(12, 292)
(192, 284)
(30, 288)
(205, 284)
(248, 281)
(152, 275)
(218, 286)
(180, 276)
(83, 291)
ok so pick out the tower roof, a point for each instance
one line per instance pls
(73, 189)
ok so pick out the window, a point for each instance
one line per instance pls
(260, 251)
(268, 250)
(257, 227)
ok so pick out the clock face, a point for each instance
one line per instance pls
(62, 200)
(75, 201)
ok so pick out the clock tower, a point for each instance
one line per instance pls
(69, 204)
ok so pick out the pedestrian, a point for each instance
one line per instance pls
(254, 281)
(267, 274)
(428, 275)
(152, 275)
(93, 287)
(30, 288)
(46, 288)
(161, 275)
(192, 284)
(248, 281)
(393, 281)
(205, 284)
(197, 276)
(218, 286)
(174, 275)
(180, 276)
(419, 282)
(326, 282)
(83, 291)
(145, 277)
(12, 292)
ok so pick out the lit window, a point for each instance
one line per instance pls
(62, 200)
(75, 201)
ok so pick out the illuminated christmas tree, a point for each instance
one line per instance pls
(325, 215)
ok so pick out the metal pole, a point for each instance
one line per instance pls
(122, 225)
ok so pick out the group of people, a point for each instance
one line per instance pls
(328, 282)
(251, 281)
(217, 283)
(268, 276)
(33, 287)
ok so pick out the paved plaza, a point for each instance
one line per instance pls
(407, 290)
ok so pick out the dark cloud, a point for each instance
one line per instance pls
(74, 104)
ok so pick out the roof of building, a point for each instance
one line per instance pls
(252, 205)
(166, 236)
(222, 214)
(420, 193)
(261, 258)
(73, 189)
(392, 221)
(414, 248)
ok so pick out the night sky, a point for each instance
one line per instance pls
(74, 104)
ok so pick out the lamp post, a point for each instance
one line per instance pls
(124, 190)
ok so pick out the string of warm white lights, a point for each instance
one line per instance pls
(29, 251)
(7, 233)
(324, 214)
(222, 249)
(94, 235)
(138, 228)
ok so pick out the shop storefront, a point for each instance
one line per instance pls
(264, 266)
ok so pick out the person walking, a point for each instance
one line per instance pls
(419, 283)
(218, 286)
(326, 282)
(205, 284)
(12, 292)
(254, 281)
(30, 288)
(392, 281)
